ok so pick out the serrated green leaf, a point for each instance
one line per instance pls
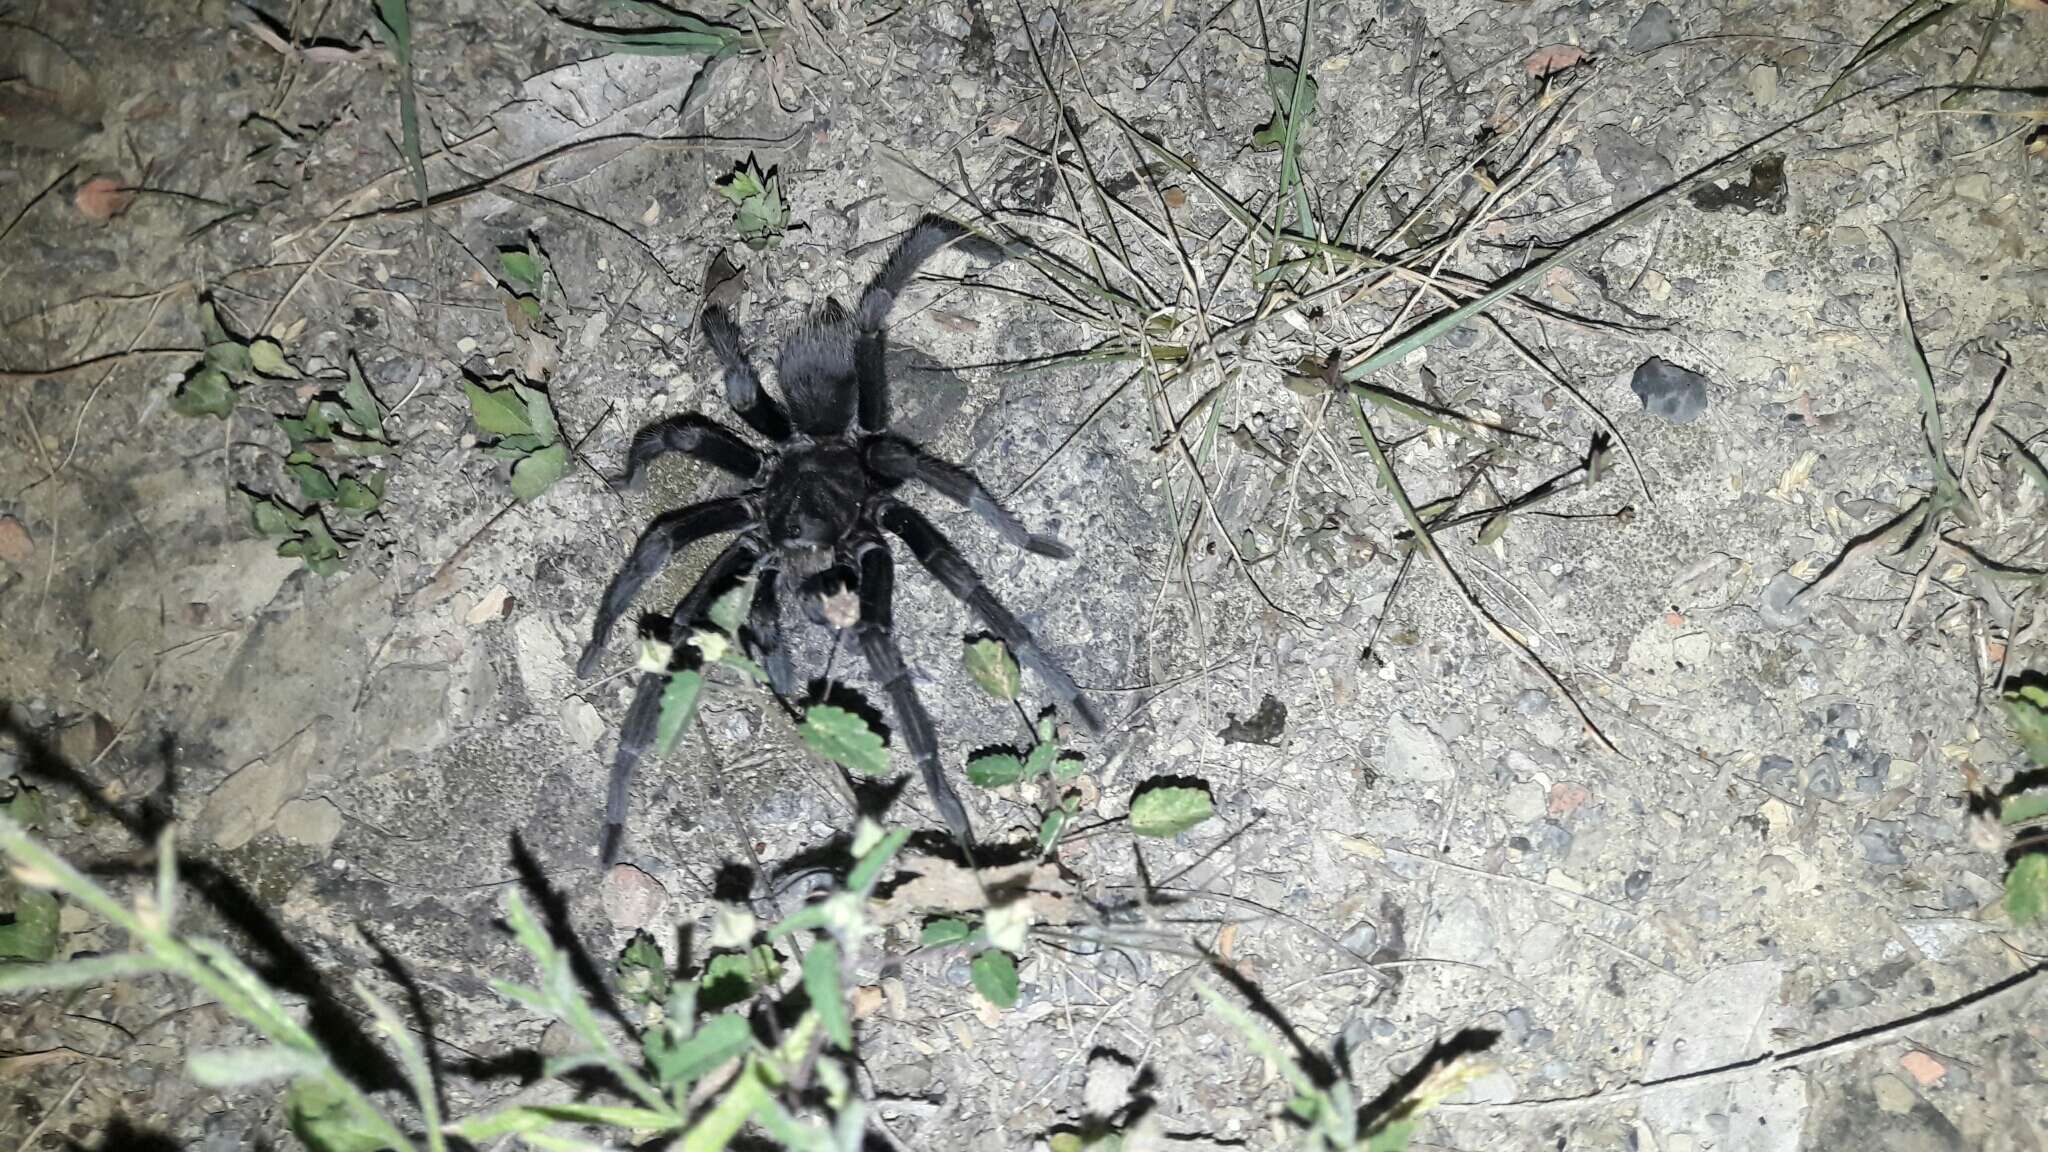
(642, 972)
(1042, 758)
(2023, 807)
(33, 933)
(536, 473)
(1169, 811)
(742, 184)
(730, 977)
(729, 611)
(2027, 708)
(995, 770)
(995, 977)
(2026, 890)
(827, 996)
(498, 411)
(314, 485)
(266, 356)
(939, 933)
(16, 978)
(991, 666)
(721, 1038)
(678, 708)
(205, 393)
(323, 1119)
(522, 270)
(240, 1067)
(845, 739)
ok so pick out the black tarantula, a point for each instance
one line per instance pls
(812, 522)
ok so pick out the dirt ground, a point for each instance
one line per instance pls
(1754, 840)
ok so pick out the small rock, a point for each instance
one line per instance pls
(1637, 885)
(1524, 802)
(16, 546)
(1924, 1069)
(81, 743)
(1463, 930)
(1567, 798)
(1879, 841)
(1843, 994)
(1779, 605)
(247, 802)
(632, 898)
(1892, 1095)
(490, 608)
(581, 721)
(559, 1040)
(1677, 394)
(1655, 28)
(1824, 778)
(1414, 753)
(315, 822)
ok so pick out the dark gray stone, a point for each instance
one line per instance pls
(1677, 394)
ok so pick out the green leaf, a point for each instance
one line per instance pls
(240, 1067)
(2025, 806)
(363, 410)
(211, 331)
(498, 411)
(610, 1115)
(270, 518)
(522, 270)
(995, 977)
(995, 770)
(724, 1119)
(845, 739)
(539, 412)
(729, 611)
(730, 977)
(205, 393)
(33, 933)
(322, 1117)
(535, 474)
(2027, 708)
(360, 498)
(1280, 82)
(2026, 890)
(1495, 527)
(868, 869)
(939, 933)
(685, 35)
(678, 708)
(742, 184)
(1043, 758)
(267, 357)
(828, 998)
(759, 214)
(642, 972)
(15, 978)
(314, 485)
(1049, 829)
(1169, 811)
(25, 807)
(230, 357)
(721, 1038)
(991, 666)
(488, 1126)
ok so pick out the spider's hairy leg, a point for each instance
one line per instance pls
(636, 736)
(763, 636)
(743, 389)
(692, 435)
(878, 644)
(871, 316)
(898, 458)
(669, 532)
(946, 565)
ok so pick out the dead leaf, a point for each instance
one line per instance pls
(939, 885)
(16, 546)
(102, 198)
(1551, 59)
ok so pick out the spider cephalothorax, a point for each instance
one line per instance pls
(814, 521)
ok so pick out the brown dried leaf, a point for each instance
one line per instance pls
(943, 886)
(1551, 59)
(17, 547)
(102, 198)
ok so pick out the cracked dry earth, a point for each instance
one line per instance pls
(1418, 837)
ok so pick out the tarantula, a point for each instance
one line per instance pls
(812, 523)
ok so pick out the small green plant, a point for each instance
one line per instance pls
(230, 362)
(698, 1067)
(991, 666)
(2020, 830)
(759, 214)
(524, 273)
(335, 449)
(523, 422)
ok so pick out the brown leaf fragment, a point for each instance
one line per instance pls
(1551, 59)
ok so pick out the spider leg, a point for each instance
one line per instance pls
(742, 384)
(878, 644)
(872, 314)
(763, 636)
(693, 435)
(946, 564)
(636, 736)
(668, 533)
(895, 457)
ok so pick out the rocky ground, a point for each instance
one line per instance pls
(1724, 817)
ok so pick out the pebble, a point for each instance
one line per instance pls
(1677, 394)
(247, 801)
(1777, 606)
(1843, 994)
(1879, 841)
(1415, 754)
(16, 546)
(315, 822)
(1655, 28)
(632, 898)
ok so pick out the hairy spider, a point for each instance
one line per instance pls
(812, 523)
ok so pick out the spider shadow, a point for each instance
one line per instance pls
(276, 958)
(122, 1135)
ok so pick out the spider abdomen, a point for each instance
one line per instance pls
(816, 494)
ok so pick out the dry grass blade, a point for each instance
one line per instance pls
(397, 20)
(1916, 17)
